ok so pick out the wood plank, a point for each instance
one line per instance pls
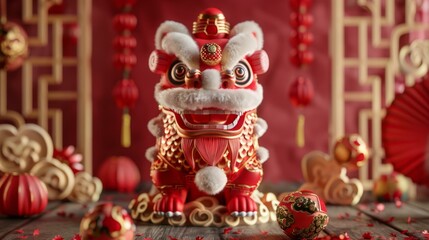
(63, 220)
(346, 219)
(408, 219)
(268, 231)
(11, 224)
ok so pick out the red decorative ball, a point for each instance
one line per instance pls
(301, 92)
(121, 42)
(125, 93)
(297, 38)
(124, 21)
(125, 60)
(13, 46)
(351, 150)
(22, 195)
(301, 19)
(107, 221)
(301, 57)
(302, 215)
(119, 173)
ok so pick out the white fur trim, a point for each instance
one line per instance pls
(261, 127)
(151, 153)
(180, 99)
(211, 180)
(184, 47)
(249, 27)
(155, 126)
(167, 27)
(237, 48)
(263, 154)
(211, 79)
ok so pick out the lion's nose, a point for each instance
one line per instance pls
(210, 79)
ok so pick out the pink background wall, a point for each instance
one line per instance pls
(272, 16)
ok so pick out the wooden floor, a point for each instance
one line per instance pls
(364, 221)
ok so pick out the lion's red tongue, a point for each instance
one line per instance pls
(207, 118)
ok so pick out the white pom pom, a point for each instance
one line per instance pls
(261, 127)
(210, 180)
(151, 153)
(263, 154)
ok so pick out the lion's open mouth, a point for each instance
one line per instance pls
(211, 119)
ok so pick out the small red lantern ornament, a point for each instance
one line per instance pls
(107, 221)
(119, 173)
(301, 94)
(22, 195)
(302, 215)
(124, 59)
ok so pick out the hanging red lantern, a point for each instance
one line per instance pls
(119, 173)
(125, 92)
(22, 195)
(124, 21)
(301, 94)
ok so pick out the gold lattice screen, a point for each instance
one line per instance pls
(377, 30)
(44, 85)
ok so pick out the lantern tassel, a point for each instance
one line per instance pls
(300, 136)
(126, 129)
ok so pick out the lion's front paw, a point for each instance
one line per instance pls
(242, 206)
(169, 206)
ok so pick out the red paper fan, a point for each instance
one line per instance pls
(406, 133)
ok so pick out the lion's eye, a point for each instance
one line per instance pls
(243, 74)
(177, 73)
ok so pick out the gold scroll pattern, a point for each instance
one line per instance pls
(49, 34)
(377, 31)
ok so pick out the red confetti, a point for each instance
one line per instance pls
(370, 224)
(404, 231)
(237, 232)
(23, 237)
(398, 203)
(410, 220)
(76, 237)
(410, 238)
(391, 219)
(264, 232)
(227, 230)
(36, 232)
(19, 231)
(61, 213)
(58, 237)
(367, 235)
(379, 207)
(172, 238)
(393, 234)
(199, 238)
